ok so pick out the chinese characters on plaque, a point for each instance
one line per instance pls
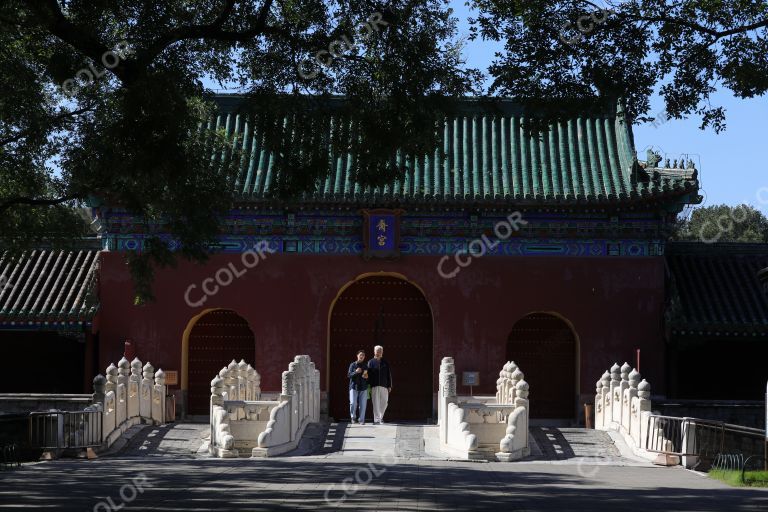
(381, 235)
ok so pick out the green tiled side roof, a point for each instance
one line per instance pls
(487, 158)
(48, 287)
(715, 287)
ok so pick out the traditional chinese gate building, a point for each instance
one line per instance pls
(574, 283)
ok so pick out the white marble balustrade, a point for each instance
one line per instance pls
(482, 428)
(126, 399)
(243, 425)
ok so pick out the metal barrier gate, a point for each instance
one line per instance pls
(704, 439)
(53, 430)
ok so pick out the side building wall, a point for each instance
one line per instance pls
(614, 305)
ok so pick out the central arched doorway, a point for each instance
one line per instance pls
(388, 311)
(545, 348)
(216, 338)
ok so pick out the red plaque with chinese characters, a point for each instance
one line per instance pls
(381, 234)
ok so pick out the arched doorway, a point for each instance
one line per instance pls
(545, 348)
(216, 338)
(388, 311)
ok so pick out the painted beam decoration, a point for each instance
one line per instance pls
(381, 234)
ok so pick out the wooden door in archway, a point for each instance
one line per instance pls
(544, 348)
(215, 340)
(391, 312)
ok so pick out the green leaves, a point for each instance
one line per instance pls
(723, 223)
(687, 48)
(137, 134)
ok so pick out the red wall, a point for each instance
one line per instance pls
(615, 306)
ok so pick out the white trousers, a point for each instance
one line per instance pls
(380, 399)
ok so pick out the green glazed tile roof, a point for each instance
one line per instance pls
(48, 287)
(487, 158)
(715, 287)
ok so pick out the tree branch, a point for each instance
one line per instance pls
(211, 30)
(696, 27)
(52, 18)
(52, 121)
(35, 202)
(701, 28)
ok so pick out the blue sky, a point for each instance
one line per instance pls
(732, 168)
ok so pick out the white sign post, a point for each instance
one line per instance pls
(470, 379)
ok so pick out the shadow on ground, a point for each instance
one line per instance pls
(306, 483)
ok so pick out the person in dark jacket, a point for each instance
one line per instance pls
(380, 380)
(358, 387)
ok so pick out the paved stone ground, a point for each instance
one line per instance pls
(391, 440)
(319, 483)
(174, 439)
(409, 441)
(342, 466)
(570, 443)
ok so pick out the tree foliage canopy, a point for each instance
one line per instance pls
(625, 48)
(101, 100)
(723, 223)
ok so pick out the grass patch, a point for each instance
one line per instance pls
(733, 478)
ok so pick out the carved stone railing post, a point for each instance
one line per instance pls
(516, 376)
(606, 379)
(626, 405)
(447, 395)
(111, 378)
(242, 380)
(145, 393)
(643, 409)
(615, 411)
(108, 423)
(257, 385)
(121, 406)
(250, 378)
(618, 403)
(295, 398)
(124, 371)
(222, 441)
(599, 404)
(158, 398)
(316, 392)
(298, 368)
(99, 387)
(134, 382)
(230, 382)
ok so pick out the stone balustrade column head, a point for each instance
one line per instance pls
(111, 378)
(287, 383)
(136, 369)
(149, 371)
(606, 380)
(634, 379)
(625, 369)
(522, 390)
(160, 377)
(644, 390)
(124, 370)
(217, 388)
(99, 389)
(516, 377)
(615, 374)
